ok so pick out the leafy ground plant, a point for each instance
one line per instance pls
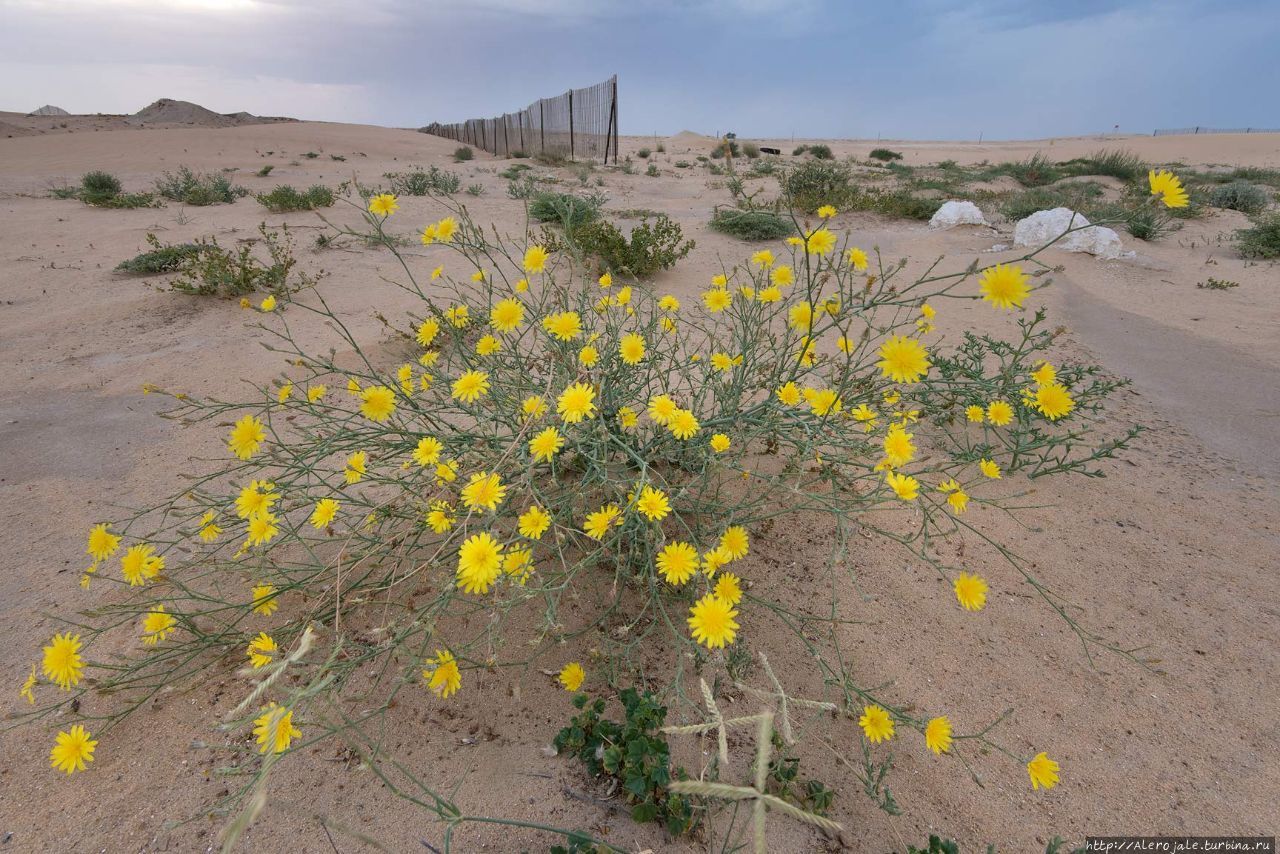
(1262, 240)
(654, 245)
(160, 259)
(552, 455)
(191, 188)
(751, 225)
(286, 198)
(424, 182)
(212, 270)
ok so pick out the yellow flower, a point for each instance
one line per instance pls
(522, 286)
(428, 451)
(624, 295)
(571, 676)
(157, 625)
(905, 487)
(470, 387)
(721, 361)
(458, 316)
(377, 403)
(261, 650)
(717, 299)
(140, 564)
(102, 543)
(1167, 186)
(720, 443)
(683, 424)
(442, 674)
(546, 444)
(820, 242)
(826, 212)
(677, 562)
(518, 564)
(62, 664)
(662, 408)
(711, 622)
(383, 204)
(446, 472)
(265, 601)
(999, 413)
(324, 513)
(653, 504)
(789, 394)
(427, 331)
(627, 418)
(534, 522)
(355, 469)
(719, 280)
(27, 691)
(782, 276)
(898, 447)
(631, 348)
(1043, 770)
(927, 311)
(762, 259)
(903, 360)
(823, 401)
(268, 304)
(971, 591)
(285, 392)
(564, 326)
(769, 295)
(1053, 401)
(255, 499)
(246, 437)
(976, 414)
(597, 524)
(958, 500)
(1004, 286)
(729, 588)
(1044, 374)
(576, 403)
(484, 492)
(440, 517)
(735, 542)
(876, 724)
(506, 315)
(275, 730)
(479, 562)
(533, 407)
(535, 259)
(316, 392)
(605, 280)
(428, 235)
(438, 271)
(262, 529)
(487, 346)
(588, 356)
(72, 749)
(937, 735)
(713, 560)
(990, 469)
(446, 228)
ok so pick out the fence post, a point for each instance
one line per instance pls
(612, 133)
(542, 128)
(520, 119)
(570, 124)
(506, 135)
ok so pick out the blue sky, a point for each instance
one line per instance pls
(920, 69)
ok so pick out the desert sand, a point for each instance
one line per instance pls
(1175, 550)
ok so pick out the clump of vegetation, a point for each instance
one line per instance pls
(565, 209)
(1119, 163)
(161, 258)
(97, 187)
(475, 189)
(522, 188)
(897, 204)
(103, 190)
(211, 270)
(191, 188)
(420, 182)
(643, 153)
(821, 152)
(750, 150)
(652, 171)
(285, 198)
(552, 158)
(341, 158)
(662, 149)
(1262, 240)
(653, 246)
(816, 183)
(731, 146)
(463, 153)
(1240, 196)
(633, 752)
(1077, 196)
(1035, 171)
(520, 155)
(1145, 223)
(514, 171)
(1213, 284)
(885, 154)
(752, 224)
(311, 155)
(264, 171)
(683, 164)
(799, 150)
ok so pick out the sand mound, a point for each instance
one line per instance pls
(8, 129)
(49, 110)
(170, 112)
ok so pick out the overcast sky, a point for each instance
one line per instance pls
(923, 69)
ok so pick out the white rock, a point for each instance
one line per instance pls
(1045, 226)
(955, 213)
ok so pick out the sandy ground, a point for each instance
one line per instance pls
(1176, 549)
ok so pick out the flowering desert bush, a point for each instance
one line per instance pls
(550, 452)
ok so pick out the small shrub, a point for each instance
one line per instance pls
(552, 158)
(764, 167)
(683, 164)
(521, 188)
(96, 187)
(798, 150)
(628, 166)
(643, 153)
(513, 171)
(1035, 171)
(652, 171)
(127, 200)
(1213, 284)
(1121, 164)
(160, 259)
(520, 155)
(821, 152)
(731, 147)
(750, 150)
(662, 149)
(565, 209)
(885, 154)
(653, 246)
(816, 183)
(463, 153)
(1076, 196)
(311, 155)
(191, 188)
(1262, 240)
(419, 182)
(265, 171)
(751, 225)
(211, 270)
(1147, 224)
(285, 198)
(475, 189)
(341, 158)
(1240, 196)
